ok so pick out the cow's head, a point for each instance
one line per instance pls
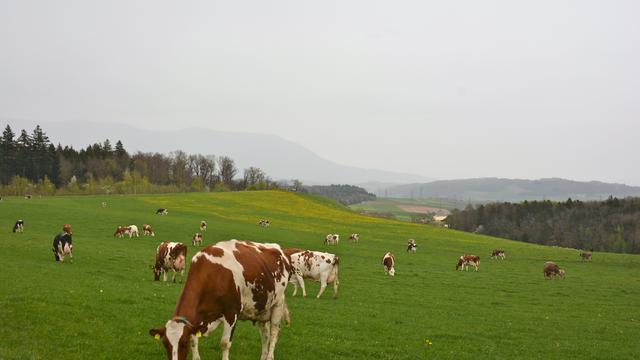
(561, 273)
(176, 337)
(156, 272)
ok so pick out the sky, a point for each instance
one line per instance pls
(444, 89)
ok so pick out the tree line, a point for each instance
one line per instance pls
(344, 194)
(612, 225)
(31, 164)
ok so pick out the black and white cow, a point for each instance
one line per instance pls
(62, 246)
(162, 211)
(19, 226)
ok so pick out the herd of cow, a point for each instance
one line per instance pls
(250, 283)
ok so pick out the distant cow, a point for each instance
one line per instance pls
(18, 227)
(586, 256)
(104, 204)
(27, 197)
(67, 228)
(497, 253)
(332, 239)
(465, 260)
(62, 246)
(264, 222)
(197, 239)
(354, 237)
(552, 270)
(131, 230)
(229, 281)
(203, 225)
(388, 261)
(120, 231)
(315, 265)
(147, 230)
(162, 211)
(170, 256)
(412, 246)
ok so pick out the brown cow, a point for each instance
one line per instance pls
(497, 253)
(586, 256)
(389, 261)
(120, 231)
(197, 239)
(170, 256)
(147, 230)
(552, 270)
(465, 260)
(229, 281)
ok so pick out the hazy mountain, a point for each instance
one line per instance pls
(280, 158)
(496, 189)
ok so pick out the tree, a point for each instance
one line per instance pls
(252, 177)
(226, 170)
(7, 155)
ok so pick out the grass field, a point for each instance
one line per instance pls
(102, 305)
(398, 208)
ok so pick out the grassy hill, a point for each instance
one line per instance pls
(102, 306)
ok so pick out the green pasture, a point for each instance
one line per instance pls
(103, 305)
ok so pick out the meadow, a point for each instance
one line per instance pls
(103, 305)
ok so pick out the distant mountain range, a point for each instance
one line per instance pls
(497, 189)
(279, 158)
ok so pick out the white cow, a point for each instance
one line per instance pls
(131, 230)
(315, 265)
(332, 239)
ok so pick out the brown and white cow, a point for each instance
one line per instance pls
(389, 261)
(120, 231)
(498, 253)
(264, 223)
(332, 239)
(354, 237)
(197, 239)
(229, 281)
(148, 230)
(203, 225)
(169, 256)
(62, 246)
(315, 265)
(552, 270)
(586, 256)
(132, 230)
(465, 260)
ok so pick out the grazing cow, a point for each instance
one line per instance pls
(315, 265)
(170, 256)
(67, 228)
(120, 231)
(18, 226)
(162, 211)
(264, 222)
(586, 256)
(465, 260)
(229, 281)
(412, 246)
(354, 237)
(389, 261)
(497, 253)
(197, 239)
(62, 246)
(332, 239)
(552, 270)
(131, 230)
(147, 230)
(203, 225)
(27, 197)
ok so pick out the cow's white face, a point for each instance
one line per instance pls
(176, 337)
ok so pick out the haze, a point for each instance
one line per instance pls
(450, 89)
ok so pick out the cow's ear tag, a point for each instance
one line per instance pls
(157, 336)
(198, 334)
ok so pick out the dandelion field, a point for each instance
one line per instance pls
(102, 305)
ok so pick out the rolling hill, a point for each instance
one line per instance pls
(497, 189)
(102, 305)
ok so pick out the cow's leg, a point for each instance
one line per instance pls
(164, 275)
(174, 276)
(194, 348)
(323, 284)
(265, 332)
(295, 287)
(276, 317)
(301, 282)
(225, 341)
(71, 257)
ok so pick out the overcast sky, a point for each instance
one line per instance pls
(447, 89)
